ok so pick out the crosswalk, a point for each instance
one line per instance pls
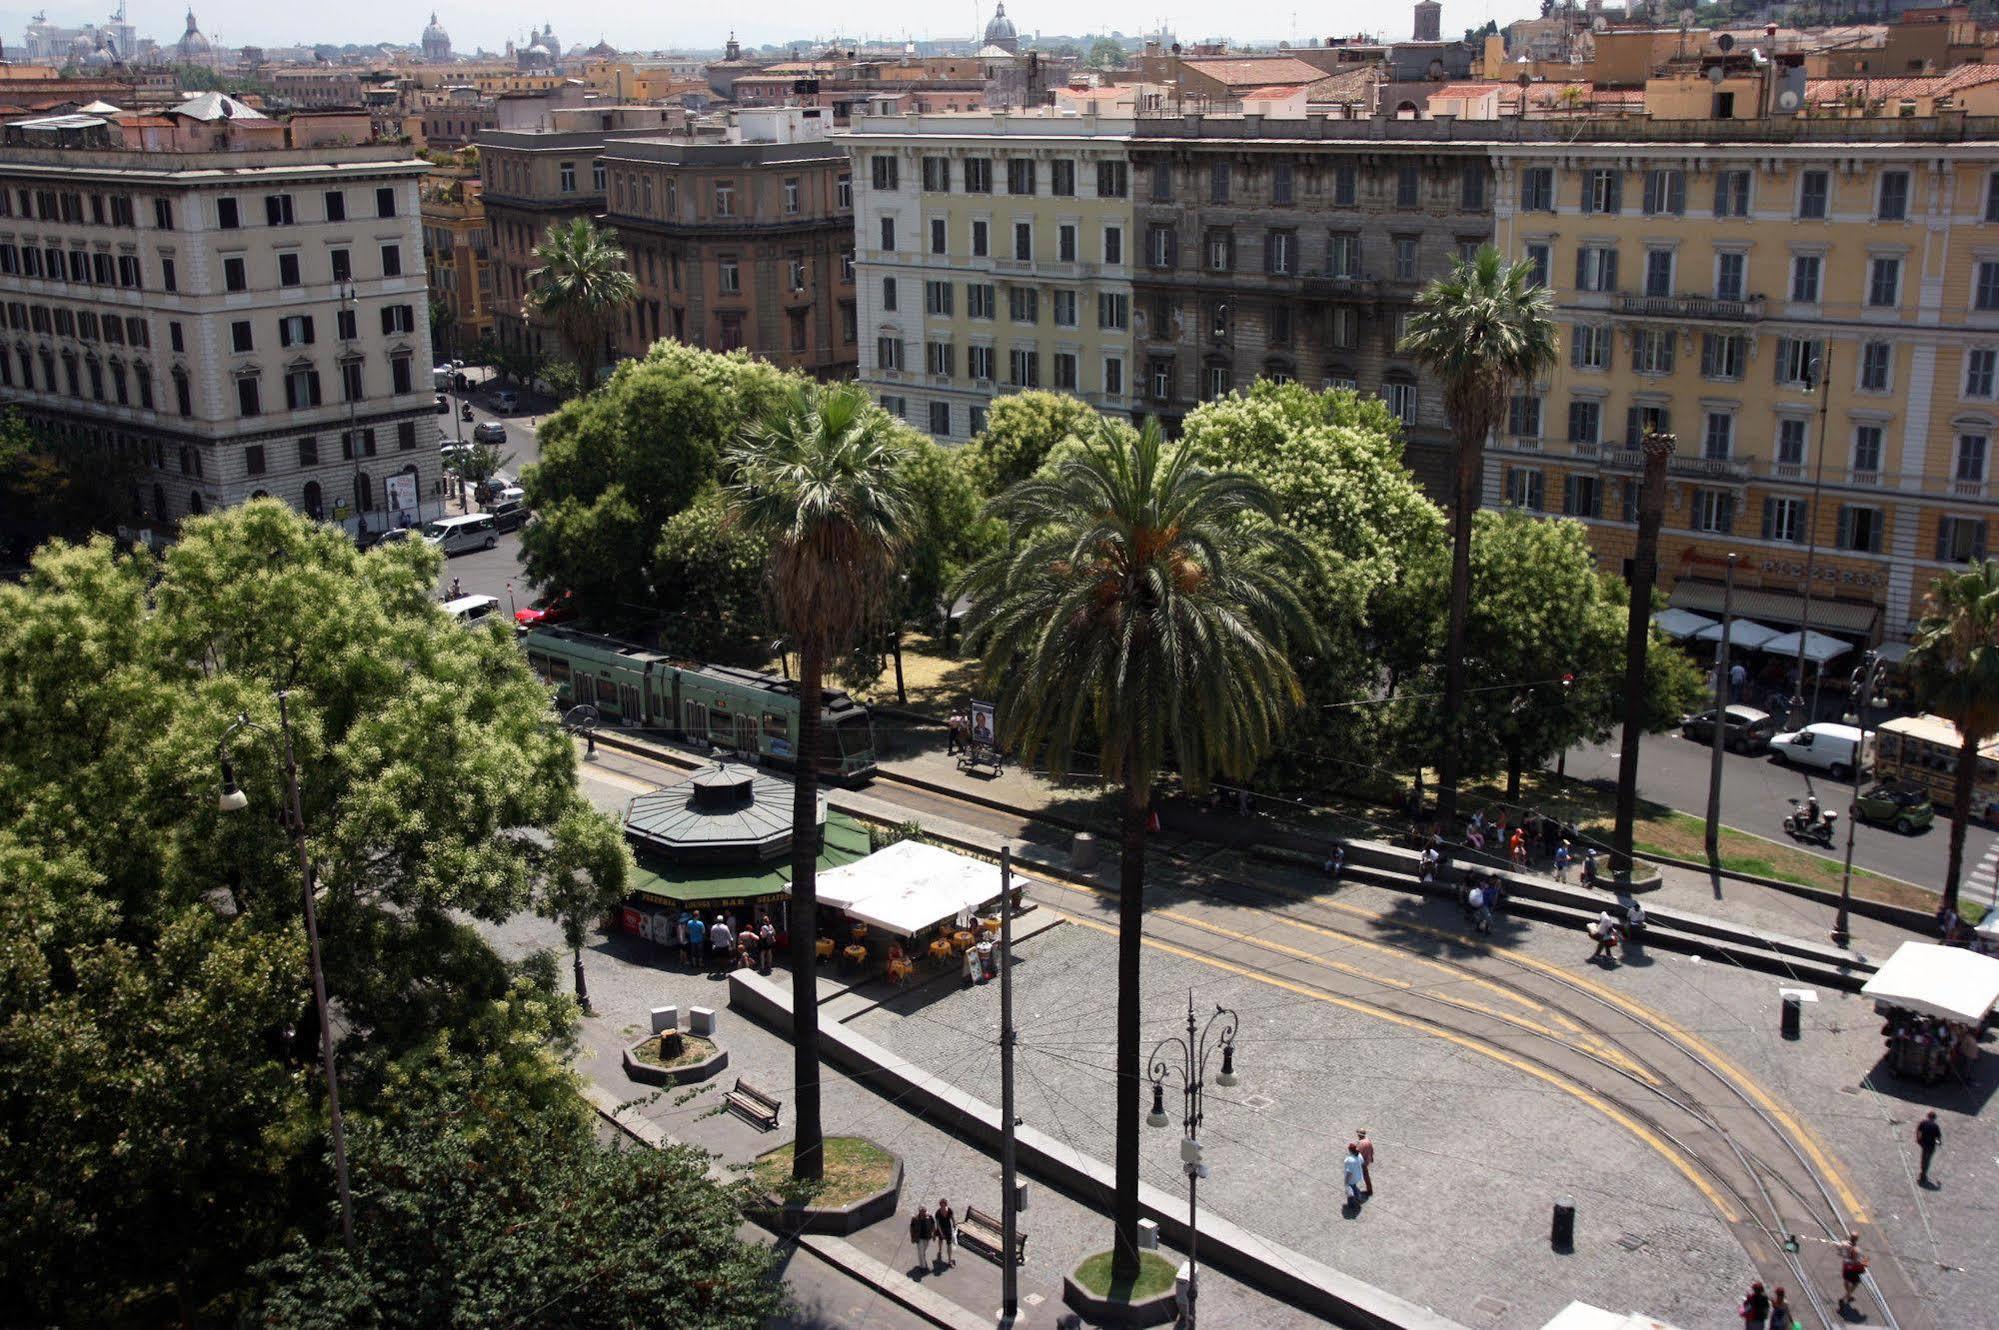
(1983, 883)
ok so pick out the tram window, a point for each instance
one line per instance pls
(721, 724)
(855, 737)
(538, 663)
(607, 693)
(776, 726)
(558, 670)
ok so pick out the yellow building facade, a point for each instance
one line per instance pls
(456, 257)
(1812, 308)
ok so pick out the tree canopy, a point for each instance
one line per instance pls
(1021, 429)
(583, 281)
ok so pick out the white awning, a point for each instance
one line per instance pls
(910, 886)
(1818, 647)
(1745, 633)
(1951, 982)
(1681, 623)
(1893, 652)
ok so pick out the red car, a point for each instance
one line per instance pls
(545, 613)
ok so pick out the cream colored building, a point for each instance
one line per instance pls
(1702, 285)
(993, 254)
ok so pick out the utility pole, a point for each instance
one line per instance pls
(1009, 1185)
(1638, 642)
(1720, 717)
(1863, 697)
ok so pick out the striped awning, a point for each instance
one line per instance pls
(1785, 607)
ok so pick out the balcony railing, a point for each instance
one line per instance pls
(1704, 309)
(1615, 456)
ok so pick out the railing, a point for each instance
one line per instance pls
(1616, 456)
(1713, 309)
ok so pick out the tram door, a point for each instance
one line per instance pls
(746, 735)
(697, 720)
(629, 712)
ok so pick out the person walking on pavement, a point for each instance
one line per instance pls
(921, 1227)
(1929, 1135)
(1780, 1310)
(1589, 867)
(1755, 1309)
(697, 939)
(766, 943)
(1562, 860)
(1604, 930)
(1365, 1148)
(947, 1232)
(680, 938)
(1852, 1265)
(1356, 1175)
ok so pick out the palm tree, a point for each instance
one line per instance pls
(1141, 614)
(581, 283)
(1954, 665)
(818, 476)
(1482, 330)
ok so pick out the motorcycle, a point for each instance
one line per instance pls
(465, 411)
(1799, 824)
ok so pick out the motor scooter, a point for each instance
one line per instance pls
(1799, 824)
(465, 411)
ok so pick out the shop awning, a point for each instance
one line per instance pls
(1744, 633)
(1953, 983)
(910, 886)
(1785, 607)
(1894, 653)
(1818, 647)
(1680, 623)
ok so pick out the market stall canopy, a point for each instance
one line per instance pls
(1583, 1316)
(1681, 623)
(910, 886)
(1745, 633)
(1818, 647)
(1949, 982)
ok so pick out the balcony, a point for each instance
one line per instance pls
(1340, 287)
(1694, 309)
(1731, 470)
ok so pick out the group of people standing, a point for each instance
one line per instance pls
(939, 1226)
(1771, 1309)
(725, 942)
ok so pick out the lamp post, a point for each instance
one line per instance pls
(1638, 640)
(1864, 680)
(232, 799)
(1817, 376)
(1194, 1051)
(1721, 705)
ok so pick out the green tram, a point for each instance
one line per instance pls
(741, 711)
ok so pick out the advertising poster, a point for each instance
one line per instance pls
(982, 723)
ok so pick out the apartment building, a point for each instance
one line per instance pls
(994, 254)
(239, 316)
(1811, 306)
(743, 242)
(456, 257)
(1294, 249)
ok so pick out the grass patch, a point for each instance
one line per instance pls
(694, 1048)
(1155, 1275)
(855, 1169)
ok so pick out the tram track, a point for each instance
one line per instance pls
(1759, 1169)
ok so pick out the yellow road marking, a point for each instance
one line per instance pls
(1601, 1105)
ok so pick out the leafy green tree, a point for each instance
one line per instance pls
(583, 281)
(582, 880)
(1481, 330)
(617, 465)
(1021, 429)
(52, 485)
(946, 530)
(1106, 53)
(475, 1211)
(710, 570)
(1954, 665)
(442, 328)
(1145, 608)
(819, 478)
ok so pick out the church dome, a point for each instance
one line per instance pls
(1001, 27)
(191, 42)
(435, 33)
(603, 50)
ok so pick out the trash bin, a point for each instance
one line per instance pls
(1792, 1013)
(1562, 1235)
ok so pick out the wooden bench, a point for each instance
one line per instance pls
(986, 1233)
(753, 1104)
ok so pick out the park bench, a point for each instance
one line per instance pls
(753, 1104)
(982, 756)
(981, 1230)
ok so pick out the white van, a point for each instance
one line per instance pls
(471, 609)
(1825, 746)
(455, 535)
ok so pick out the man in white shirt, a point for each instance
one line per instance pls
(1356, 1174)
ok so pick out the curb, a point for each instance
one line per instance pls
(1900, 916)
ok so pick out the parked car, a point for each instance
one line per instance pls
(489, 431)
(546, 613)
(1746, 729)
(509, 508)
(471, 609)
(1907, 808)
(506, 401)
(455, 535)
(1824, 746)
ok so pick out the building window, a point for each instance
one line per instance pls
(392, 260)
(343, 265)
(1876, 361)
(888, 290)
(1471, 187)
(1537, 189)
(1603, 190)
(978, 175)
(301, 390)
(980, 300)
(1960, 539)
(1730, 273)
(1731, 193)
(1596, 268)
(1814, 191)
(1540, 263)
(888, 233)
(241, 337)
(1971, 454)
(1714, 511)
(1113, 180)
(937, 242)
(1894, 197)
(1986, 293)
(336, 206)
(1065, 243)
(1343, 255)
(399, 375)
(843, 193)
(1023, 242)
(1218, 249)
(979, 239)
(979, 362)
(1113, 245)
(1345, 184)
(1582, 496)
(1405, 258)
(568, 177)
(1791, 432)
(1064, 367)
(1024, 367)
(385, 201)
(1062, 177)
(1652, 351)
(1665, 193)
(1784, 519)
(938, 358)
(1884, 283)
(1981, 365)
(1023, 304)
(1860, 529)
(940, 418)
(1524, 487)
(1408, 186)
(226, 216)
(249, 398)
(888, 352)
(1867, 451)
(937, 175)
(1992, 197)
(1113, 376)
(1523, 416)
(1217, 381)
(976, 421)
(253, 459)
(937, 298)
(1344, 330)
(1805, 270)
(1658, 272)
(1400, 394)
(1218, 182)
(1065, 308)
(1585, 420)
(1718, 438)
(1723, 355)
(1280, 252)
(234, 275)
(1280, 325)
(1797, 362)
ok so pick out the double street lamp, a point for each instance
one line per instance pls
(232, 799)
(1194, 1051)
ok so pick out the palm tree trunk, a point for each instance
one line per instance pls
(808, 1155)
(1471, 468)
(1131, 926)
(1960, 814)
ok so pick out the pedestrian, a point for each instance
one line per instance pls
(1755, 1309)
(457, 588)
(1517, 848)
(1589, 867)
(921, 1228)
(1474, 902)
(947, 1233)
(1336, 863)
(747, 946)
(680, 937)
(697, 938)
(1852, 1265)
(1365, 1148)
(766, 943)
(722, 943)
(1562, 861)
(1426, 866)
(1738, 679)
(1356, 1174)
(1780, 1310)
(954, 734)
(1604, 930)
(1929, 1135)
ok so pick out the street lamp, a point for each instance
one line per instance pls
(232, 799)
(1864, 681)
(1194, 1052)
(1818, 376)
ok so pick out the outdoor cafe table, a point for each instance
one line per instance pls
(856, 954)
(825, 948)
(940, 949)
(962, 939)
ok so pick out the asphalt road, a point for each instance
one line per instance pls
(494, 572)
(1755, 794)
